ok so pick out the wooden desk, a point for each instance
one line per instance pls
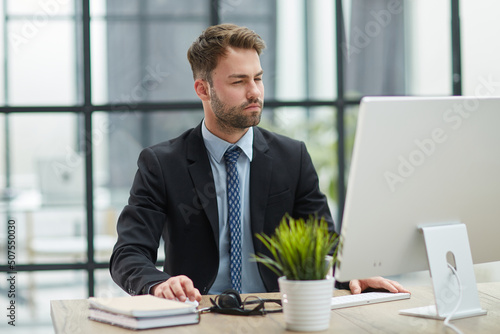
(70, 316)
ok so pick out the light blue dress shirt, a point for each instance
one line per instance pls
(251, 281)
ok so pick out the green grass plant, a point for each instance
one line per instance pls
(299, 248)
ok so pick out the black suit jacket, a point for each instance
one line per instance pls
(173, 195)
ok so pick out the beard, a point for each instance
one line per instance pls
(233, 118)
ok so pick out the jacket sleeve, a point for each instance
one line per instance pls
(139, 227)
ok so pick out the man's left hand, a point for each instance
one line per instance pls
(357, 286)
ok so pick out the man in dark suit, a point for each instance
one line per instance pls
(180, 190)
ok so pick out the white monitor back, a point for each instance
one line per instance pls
(420, 161)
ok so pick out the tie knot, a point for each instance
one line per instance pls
(232, 154)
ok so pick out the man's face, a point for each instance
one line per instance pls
(237, 91)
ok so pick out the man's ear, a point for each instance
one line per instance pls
(202, 89)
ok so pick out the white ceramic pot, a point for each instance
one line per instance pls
(306, 304)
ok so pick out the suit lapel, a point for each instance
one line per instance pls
(201, 174)
(260, 180)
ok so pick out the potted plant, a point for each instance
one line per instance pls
(301, 256)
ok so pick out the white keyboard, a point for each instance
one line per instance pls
(366, 298)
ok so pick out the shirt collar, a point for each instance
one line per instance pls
(217, 146)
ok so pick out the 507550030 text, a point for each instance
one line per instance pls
(11, 274)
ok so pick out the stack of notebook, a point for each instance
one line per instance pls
(142, 312)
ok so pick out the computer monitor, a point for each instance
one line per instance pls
(424, 193)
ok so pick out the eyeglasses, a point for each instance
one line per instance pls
(229, 302)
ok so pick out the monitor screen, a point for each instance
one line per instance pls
(420, 162)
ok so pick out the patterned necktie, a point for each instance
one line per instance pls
(234, 217)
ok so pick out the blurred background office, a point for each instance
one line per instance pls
(86, 84)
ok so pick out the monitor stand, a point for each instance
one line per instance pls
(448, 244)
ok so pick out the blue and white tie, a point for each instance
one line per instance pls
(234, 216)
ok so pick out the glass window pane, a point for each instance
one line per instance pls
(374, 48)
(122, 136)
(290, 42)
(171, 78)
(98, 49)
(480, 51)
(428, 47)
(98, 7)
(34, 291)
(47, 180)
(391, 48)
(231, 9)
(123, 8)
(141, 56)
(41, 63)
(164, 125)
(316, 127)
(321, 49)
(38, 137)
(115, 155)
(37, 11)
(186, 9)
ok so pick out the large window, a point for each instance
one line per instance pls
(88, 83)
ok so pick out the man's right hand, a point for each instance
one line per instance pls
(180, 287)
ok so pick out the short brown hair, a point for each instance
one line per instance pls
(205, 52)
